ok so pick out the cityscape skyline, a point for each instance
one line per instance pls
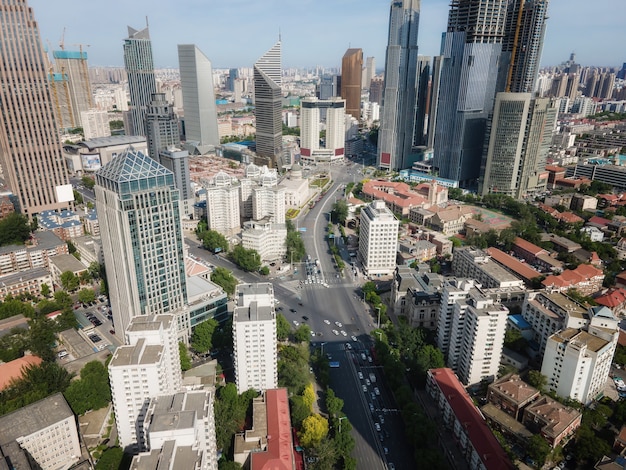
(568, 30)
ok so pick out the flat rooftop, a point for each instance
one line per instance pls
(136, 355)
(34, 417)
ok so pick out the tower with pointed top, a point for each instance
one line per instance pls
(268, 106)
(196, 80)
(400, 89)
(141, 80)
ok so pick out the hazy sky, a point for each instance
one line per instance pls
(234, 33)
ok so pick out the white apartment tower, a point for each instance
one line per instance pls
(311, 110)
(476, 337)
(269, 201)
(138, 210)
(254, 337)
(222, 203)
(148, 366)
(180, 428)
(453, 290)
(577, 361)
(378, 239)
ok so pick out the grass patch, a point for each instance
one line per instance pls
(292, 213)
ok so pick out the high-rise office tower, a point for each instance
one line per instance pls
(433, 101)
(161, 126)
(73, 65)
(378, 239)
(423, 100)
(30, 149)
(196, 80)
(397, 120)
(233, 74)
(369, 72)
(520, 135)
(254, 337)
(138, 210)
(95, 124)
(376, 90)
(141, 81)
(351, 74)
(177, 161)
(471, 49)
(525, 28)
(268, 106)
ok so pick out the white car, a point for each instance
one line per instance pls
(295, 322)
(348, 346)
(364, 388)
(312, 333)
(377, 426)
(335, 332)
(327, 322)
(353, 338)
(338, 323)
(344, 333)
(376, 391)
(360, 374)
(367, 382)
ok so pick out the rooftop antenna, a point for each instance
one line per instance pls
(279, 35)
(147, 25)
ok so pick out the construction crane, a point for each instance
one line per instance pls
(62, 39)
(84, 72)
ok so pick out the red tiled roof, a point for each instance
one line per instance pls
(569, 217)
(599, 221)
(613, 298)
(519, 268)
(279, 453)
(399, 194)
(530, 247)
(484, 442)
(573, 277)
(14, 369)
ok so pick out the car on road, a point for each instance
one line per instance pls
(344, 333)
(360, 374)
(327, 322)
(305, 318)
(385, 450)
(112, 332)
(376, 391)
(362, 356)
(381, 418)
(364, 389)
(335, 332)
(391, 466)
(312, 333)
(353, 338)
(369, 359)
(371, 407)
(292, 310)
(377, 426)
(338, 323)
(95, 338)
(367, 382)
(348, 346)
(296, 322)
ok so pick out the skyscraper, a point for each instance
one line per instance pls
(30, 149)
(520, 135)
(397, 120)
(268, 106)
(370, 72)
(161, 126)
(141, 81)
(138, 210)
(471, 49)
(525, 28)
(73, 64)
(196, 80)
(351, 74)
(310, 117)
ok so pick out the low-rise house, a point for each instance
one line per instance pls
(594, 233)
(515, 267)
(561, 243)
(511, 394)
(14, 370)
(555, 422)
(586, 279)
(24, 282)
(614, 299)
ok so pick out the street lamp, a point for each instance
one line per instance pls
(378, 324)
(343, 417)
(322, 344)
(380, 335)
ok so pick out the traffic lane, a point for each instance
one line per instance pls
(345, 385)
(334, 304)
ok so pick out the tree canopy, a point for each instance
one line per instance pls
(91, 391)
(225, 279)
(185, 360)
(246, 259)
(314, 429)
(14, 229)
(283, 328)
(202, 337)
(212, 240)
(340, 212)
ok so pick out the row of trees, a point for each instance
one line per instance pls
(15, 229)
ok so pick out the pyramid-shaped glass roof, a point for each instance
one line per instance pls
(133, 171)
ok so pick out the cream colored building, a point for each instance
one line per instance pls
(222, 197)
(378, 239)
(267, 238)
(297, 190)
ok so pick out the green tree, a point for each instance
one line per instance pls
(91, 391)
(11, 307)
(86, 295)
(314, 429)
(63, 299)
(340, 212)
(248, 260)
(538, 449)
(14, 229)
(111, 459)
(264, 271)
(299, 410)
(185, 361)
(69, 281)
(202, 337)
(537, 379)
(88, 181)
(283, 328)
(78, 197)
(45, 290)
(225, 279)
(41, 337)
(212, 240)
(589, 447)
(334, 404)
(228, 465)
(308, 395)
(303, 333)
